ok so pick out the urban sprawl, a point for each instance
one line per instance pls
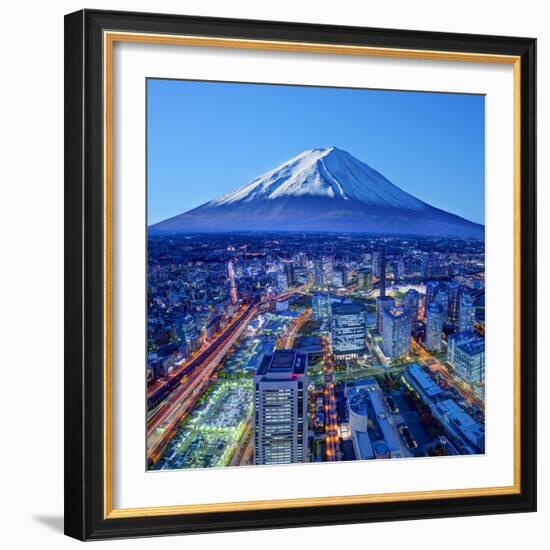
(291, 348)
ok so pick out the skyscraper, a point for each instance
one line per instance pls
(431, 292)
(348, 329)
(443, 299)
(319, 274)
(320, 304)
(383, 272)
(280, 409)
(290, 274)
(282, 282)
(382, 302)
(396, 332)
(364, 279)
(470, 361)
(453, 290)
(434, 326)
(412, 299)
(466, 314)
(376, 263)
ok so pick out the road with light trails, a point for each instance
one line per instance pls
(331, 425)
(287, 340)
(186, 389)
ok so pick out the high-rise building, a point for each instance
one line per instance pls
(396, 332)
(470, 361)
(412, 299)
(383, 272)
(290, 274)
(280, 409)
(382, 303)
(453, 290)
(458, 338)
(320, 303)
(431, 292)
(319, 274)
(337, 278)
(466, 314)
(346, 275)
(328, 266)
(399, 268)
(190, 332)
(434, 326)
(348, 329)
(364, 280)
(282, 282)
(376, 263)
(322, 272)
(443, 299)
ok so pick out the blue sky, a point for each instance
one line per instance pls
(207, 138)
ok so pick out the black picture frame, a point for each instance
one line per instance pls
(84, 282)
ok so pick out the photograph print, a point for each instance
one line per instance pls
(315, 274)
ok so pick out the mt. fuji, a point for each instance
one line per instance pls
(321, 190)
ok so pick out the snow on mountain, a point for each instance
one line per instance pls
(321, 190)
(328, 172)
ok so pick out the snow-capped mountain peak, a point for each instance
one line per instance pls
(323, 189)
(323, 172)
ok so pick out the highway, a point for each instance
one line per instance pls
(287, 340)
(331, 424)
(164, 424)
(172, 398)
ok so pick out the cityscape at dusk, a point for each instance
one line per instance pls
(319, 313)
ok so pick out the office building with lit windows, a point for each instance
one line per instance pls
(432, 288)
(412, 299)
(382, 303)
(469, 361)
(348, 329)
(435, 320)
(320, 303)
(280, 409)
(466, 314)
(396, 332)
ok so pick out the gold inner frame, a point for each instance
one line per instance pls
(109, 39)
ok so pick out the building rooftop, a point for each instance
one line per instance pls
(283, 362)
(472, 347)
(347, 309)
(396, 312)
(472, 430)
(462, 336)
(424, 380)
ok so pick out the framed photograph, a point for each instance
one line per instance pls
(300, 274)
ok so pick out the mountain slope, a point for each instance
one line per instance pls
(321, 190)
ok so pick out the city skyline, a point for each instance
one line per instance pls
(201, 145)
(328, 310)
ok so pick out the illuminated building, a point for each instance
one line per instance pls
(466, 314)
(412, 299)
(396, 332)
(280, 409)
(469, 361)
(434, 326)
(364, 279)
(348, 329)
(320, 304)
(431, 291)
(382, 302)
